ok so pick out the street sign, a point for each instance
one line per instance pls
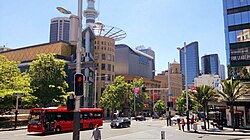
(18, 94)
(169, 94)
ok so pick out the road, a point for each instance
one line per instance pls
(139, 130)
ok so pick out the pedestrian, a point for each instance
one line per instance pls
(96, 133)
(183, 124)
(179, 123)
(192, 121)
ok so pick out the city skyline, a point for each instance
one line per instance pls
(163, 28)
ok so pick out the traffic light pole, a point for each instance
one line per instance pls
(76, 130)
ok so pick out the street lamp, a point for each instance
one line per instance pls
(186, 88)
(76, 133)
(95, 102)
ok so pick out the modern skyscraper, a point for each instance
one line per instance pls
(59, 29)
(192, 53)
(222, 72)
(237, 32)
(210, 64)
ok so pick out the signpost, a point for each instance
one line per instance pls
(16, 112)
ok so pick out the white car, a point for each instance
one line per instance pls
(175, 118)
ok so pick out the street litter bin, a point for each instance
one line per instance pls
(162, 135)
(195, 127)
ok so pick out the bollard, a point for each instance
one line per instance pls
(162, 135)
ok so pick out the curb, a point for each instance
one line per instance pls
(219, 133)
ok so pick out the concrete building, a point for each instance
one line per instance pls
(59, 29)
(222, 72)
(210, 64)
(209, 80)
(175, 82)
(192, 53)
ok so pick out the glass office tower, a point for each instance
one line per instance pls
(210, 64)
(237, 31)
(59, 29)
(193, 69)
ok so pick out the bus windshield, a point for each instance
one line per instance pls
(35, 118)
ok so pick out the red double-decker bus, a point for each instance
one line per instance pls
(58, 119)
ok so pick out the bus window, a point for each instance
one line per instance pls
(35, 118)
(97, 115)
(85, 116)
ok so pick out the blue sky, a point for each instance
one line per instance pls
(162, 25)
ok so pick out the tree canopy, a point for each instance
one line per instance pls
(48, 79)
(13, 81)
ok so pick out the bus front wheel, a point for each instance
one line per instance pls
(58, 129)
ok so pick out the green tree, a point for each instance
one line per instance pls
(13, 81)
(159, 106)
(181, 103)
(137, 102)
(204, 95)
(113, 96)
(48, 79)
(231, 91)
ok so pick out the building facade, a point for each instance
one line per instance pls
(222, 72)
(237, 31)
(150, 52)
(133, 62)
(59, 29)
(209, 80)
(192, 55)
(104, 63)
(210, 64)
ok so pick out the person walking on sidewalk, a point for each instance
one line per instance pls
(179, 123)
(96, 133)
(183, 124)
(192, 121)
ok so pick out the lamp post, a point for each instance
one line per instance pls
(95, 102)
(186, 88)
(76, 133)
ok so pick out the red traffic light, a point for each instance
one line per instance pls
(78, 84)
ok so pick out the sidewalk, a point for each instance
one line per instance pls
(12, 129)
(215, 131)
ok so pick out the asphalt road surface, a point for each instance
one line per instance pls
(139, 130)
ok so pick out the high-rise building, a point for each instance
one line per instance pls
(59, 29)
(192, 55)
(210, 64)
(237, 32)
(132, 62)
(222, 72)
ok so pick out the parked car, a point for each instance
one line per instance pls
(140, 118)
(120, 123)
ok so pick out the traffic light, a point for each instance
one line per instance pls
(78, 84)
(143, 89)
(70, 102)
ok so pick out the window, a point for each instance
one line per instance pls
(103, 77)
(109, 77)
(230, 19)
(113, 67)
(109, 67)
(103, 66)
(244, 16)
(96, 56)
(238, 18)
(103, 57)
(109, 57)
